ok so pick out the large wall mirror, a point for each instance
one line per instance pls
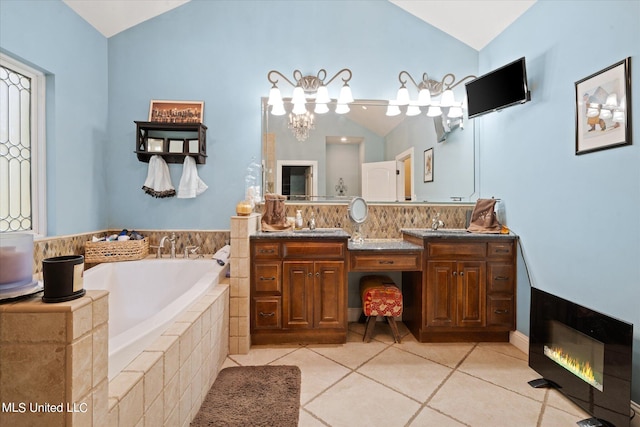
(357, 154)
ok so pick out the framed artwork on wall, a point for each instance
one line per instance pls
(428, 165)
(603, 109)
(176, 111)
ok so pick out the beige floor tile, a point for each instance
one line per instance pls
(318, 372)
(557, 400)
(480, 404)
(353, 355)
(505, 348)
(263, 355)
(448, 354)
(552, 417)
(406, 373)
(307, 420)
(359, 401)
(506, 371)
(431, 417)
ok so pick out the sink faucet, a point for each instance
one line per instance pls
(173, 245)
(437, 222)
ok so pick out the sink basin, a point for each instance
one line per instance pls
(318, 230)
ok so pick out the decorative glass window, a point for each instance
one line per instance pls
(22, 172)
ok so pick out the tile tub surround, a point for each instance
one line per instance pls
(58, 354)
(208, 240)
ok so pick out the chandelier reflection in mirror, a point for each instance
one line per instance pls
(308, 89)
(428, 88)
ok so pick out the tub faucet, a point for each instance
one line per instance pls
(191, 250)
(173, 245)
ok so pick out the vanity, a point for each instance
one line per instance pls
(456, 286)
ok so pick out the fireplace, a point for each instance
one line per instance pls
(585, 354)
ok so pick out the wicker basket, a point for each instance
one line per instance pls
(129, 250)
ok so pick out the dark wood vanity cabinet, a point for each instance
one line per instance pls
(468, 291)
(298, 291)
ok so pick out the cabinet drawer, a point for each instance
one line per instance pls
(262, 250)
(387, 261)
(313, 250)
(267, 277)
(501, 249)
(267, 313)
(500, 277)
(500, 311)
(456, 250)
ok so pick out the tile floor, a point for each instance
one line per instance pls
(412, 384)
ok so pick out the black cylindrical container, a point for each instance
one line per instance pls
(63, 278)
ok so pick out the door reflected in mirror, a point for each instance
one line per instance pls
(334, 162)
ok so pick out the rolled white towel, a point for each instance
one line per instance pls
(223, 254)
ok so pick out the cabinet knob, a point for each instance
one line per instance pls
(267, 314)
(462, 273)
(318, 274)
(455, 273)
(309, 274)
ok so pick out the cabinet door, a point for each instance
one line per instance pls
(329, 298)
(472, 279)
(441, 294)
(297, 290)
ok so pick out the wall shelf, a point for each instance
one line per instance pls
(172, 141)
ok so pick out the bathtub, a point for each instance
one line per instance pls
(145, 297)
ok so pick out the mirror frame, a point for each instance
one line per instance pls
(355, 205)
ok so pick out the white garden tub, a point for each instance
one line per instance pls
(145, 297)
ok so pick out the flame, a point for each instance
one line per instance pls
(582, 369)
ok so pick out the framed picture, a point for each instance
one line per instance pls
(176, 145)
(176, 111)
(603, 109)
(428, 165)
(155, 145)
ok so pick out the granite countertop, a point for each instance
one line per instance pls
(305, 233)
(453, 233)
(384, 245)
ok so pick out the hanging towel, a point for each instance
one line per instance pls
(190, 184)
(158, 183)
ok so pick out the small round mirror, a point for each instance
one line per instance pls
(358, 210)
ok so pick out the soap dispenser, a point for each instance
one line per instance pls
(312, 222)
(299, 220)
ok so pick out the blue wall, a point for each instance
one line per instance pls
(49, 36)
(577, 216)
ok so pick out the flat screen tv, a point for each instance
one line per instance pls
(585, 354)
(498, 89)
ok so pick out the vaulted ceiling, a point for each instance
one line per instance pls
(474, 22)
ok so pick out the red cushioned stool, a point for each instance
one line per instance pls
(380, 297)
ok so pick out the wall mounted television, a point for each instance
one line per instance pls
(498, 89)
(584, 354)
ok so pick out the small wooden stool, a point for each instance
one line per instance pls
(380, 297)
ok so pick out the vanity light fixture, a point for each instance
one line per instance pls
(427, 89)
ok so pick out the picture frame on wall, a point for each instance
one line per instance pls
(603, 109)
(428, 165)
(176, 111)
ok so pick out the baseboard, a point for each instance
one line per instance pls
(519, 341)
(636, 408)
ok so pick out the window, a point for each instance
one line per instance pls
(22, 154)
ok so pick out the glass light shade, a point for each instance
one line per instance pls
(322, 96)
(275, 97)
(321, 109)
(278, 110)
(345, 95)
(298, 96)
(605, 114)
(434, 111)
(402, 98)
(413, 110)
(612, 100)
(592, 112)
(447, 99)
(342, 109)
(392, 110)
(299, 108)
(618, 116)
(424, 97)
(455, 112)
